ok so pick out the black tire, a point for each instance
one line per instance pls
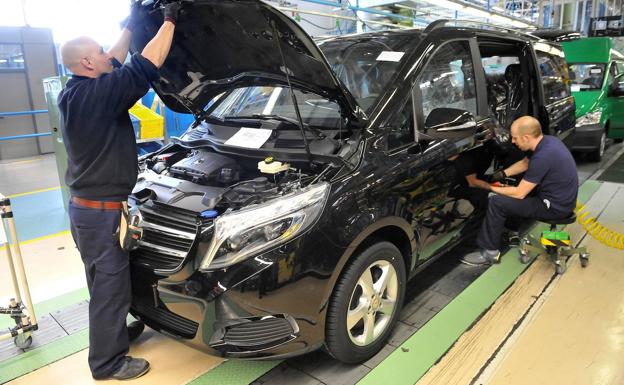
(596, 155)
(337, 338)
(618, 140)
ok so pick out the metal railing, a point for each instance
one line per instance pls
(24, 136)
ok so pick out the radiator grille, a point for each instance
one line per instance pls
(168, 235)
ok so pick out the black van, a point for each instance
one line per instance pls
(314, 182)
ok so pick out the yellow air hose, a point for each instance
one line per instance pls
(598, 231)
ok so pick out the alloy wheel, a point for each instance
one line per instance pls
(372, 303)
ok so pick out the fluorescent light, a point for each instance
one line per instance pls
(3, 60)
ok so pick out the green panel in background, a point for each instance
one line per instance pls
(52, 86)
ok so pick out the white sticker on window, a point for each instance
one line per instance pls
(595, 71)
(249, 137)
(575, 88)
(390, 56)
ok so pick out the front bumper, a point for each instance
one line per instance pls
(587, 138)
(261, 308)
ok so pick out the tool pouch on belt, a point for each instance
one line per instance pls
(129, 232)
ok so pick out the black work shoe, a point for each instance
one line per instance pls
(131, 368)
(481, 257)
(135, 328)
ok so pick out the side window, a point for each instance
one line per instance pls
(448, 80)
(402, 131)
(554, 76)
(620, 67)
(612, 83)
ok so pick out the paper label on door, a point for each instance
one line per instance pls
(249, 137)
(575, 88)
(390, 56)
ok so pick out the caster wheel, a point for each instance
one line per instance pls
(560, 269)
(23, 341)
(584, 260)
(524, 257)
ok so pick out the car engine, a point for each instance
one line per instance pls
(199, 180)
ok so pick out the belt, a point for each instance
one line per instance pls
(102, 205)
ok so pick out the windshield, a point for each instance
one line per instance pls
(586, 77)
(366, 64)
(277, 101)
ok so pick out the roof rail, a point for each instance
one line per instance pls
(557, 35)
(477, 25)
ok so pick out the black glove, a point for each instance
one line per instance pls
(498, 176)
(171, 11)
(133, 19)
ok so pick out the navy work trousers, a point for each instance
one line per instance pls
(501, 207)
(108, 279)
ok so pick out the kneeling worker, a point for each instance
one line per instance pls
(550, 167)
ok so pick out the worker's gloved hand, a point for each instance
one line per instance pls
(498, 176)
(171, 11)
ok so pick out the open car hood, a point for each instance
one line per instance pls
(224, 44)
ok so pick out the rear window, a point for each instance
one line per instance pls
(554, 72)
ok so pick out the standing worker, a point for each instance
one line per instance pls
(550, 168)
(102, 170)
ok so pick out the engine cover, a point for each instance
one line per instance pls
(207, 167)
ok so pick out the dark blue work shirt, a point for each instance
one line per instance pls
(98, 133)
(552, 168)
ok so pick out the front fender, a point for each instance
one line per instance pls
(375, 225)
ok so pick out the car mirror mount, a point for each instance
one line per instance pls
(450, 123)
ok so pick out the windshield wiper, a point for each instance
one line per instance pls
(264, 117)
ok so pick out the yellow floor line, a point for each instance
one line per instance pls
(22, 161)
(41, 238)
(34, 192)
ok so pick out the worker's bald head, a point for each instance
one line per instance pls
(526, 132)
(84, 56)
(527, 125)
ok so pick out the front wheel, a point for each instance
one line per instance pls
(366, 303)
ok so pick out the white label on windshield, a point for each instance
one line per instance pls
(575, 88)
(390, 56)
(249, 137)
(595, 71)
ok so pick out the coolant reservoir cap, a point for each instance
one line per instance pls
(209, 214)
(268, 160)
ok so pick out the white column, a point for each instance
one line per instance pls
(583, 11)
(540, 13)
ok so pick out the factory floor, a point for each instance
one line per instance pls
(506, 324)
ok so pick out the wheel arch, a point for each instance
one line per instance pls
(395, 230)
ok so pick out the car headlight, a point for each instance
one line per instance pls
(589, 118)
(247, 232)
